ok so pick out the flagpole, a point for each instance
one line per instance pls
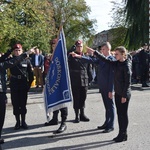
(149, 24)
(149, 37)
(60, 28)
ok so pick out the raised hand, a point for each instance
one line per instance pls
(90, 50)
(75, 55)
(30, 51)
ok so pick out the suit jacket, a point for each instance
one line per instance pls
(105, 75)
(40, 59)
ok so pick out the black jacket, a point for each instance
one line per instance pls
(78, 72)
(21, 75)
(143, 58)
(122, 74)
(7, 63)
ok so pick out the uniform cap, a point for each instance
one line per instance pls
(78, 43)
(17, 46)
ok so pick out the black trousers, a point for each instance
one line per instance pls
(2, 110)
(64, 113)
(19, 101)
(79, 96)
(144, 74)
(122, 112)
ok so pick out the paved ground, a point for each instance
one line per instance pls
(82, 136)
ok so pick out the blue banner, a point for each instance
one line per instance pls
(57, 90)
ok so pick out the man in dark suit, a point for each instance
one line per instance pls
(38, 66)
(105, 80)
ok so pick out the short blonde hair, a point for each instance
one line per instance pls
(107, 44)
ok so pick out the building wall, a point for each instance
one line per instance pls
(101, 37)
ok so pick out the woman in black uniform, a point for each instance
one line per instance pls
(20, 81)
(4, 64)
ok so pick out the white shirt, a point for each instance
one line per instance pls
(36, 60)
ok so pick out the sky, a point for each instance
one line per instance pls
(101, 11)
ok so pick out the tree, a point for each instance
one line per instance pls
(73, 14)
(137, 21)
(119, 28)
(133, 16)
(29, 22)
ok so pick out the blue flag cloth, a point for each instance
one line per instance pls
(57, 90)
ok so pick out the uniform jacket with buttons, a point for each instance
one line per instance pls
(78, 72)
(21, 75)
(7, 63)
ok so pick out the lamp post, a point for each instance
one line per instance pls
(149, 24)
(149, 38)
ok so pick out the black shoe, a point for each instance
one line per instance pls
(101, 127)
(51, 122)
(1, 141)
(84, 118)
(77, 120)
(114, 139)
(24, 125)
(145, 85)
(17, 126)
(107, 130)
(121, 138)
(61, 129)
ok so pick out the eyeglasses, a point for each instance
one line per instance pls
(17, 50)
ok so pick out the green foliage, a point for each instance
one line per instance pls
(73, 15)
(133, 16)
(118, 37)
(119, 28)
(137, 21)
(28, 22)
(36, 22)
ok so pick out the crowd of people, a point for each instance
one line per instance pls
(140, 65)
(114, 73)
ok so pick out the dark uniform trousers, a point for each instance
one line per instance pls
(64, 114)
(2, 110)
(20, 81)
(79, 96)
(19, 100)
(144, 73)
